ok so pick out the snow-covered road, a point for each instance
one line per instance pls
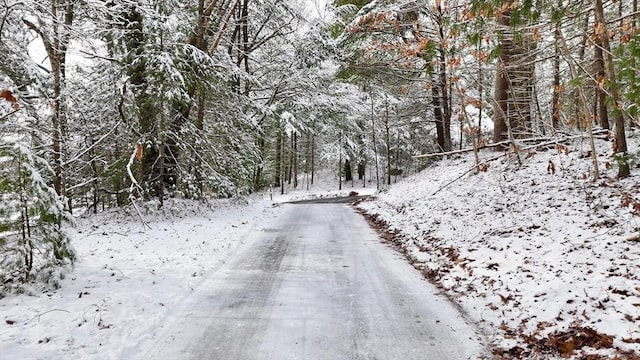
(317, 284)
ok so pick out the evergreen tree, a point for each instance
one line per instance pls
(33, 244)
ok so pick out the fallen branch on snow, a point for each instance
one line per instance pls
(475, 167)
(546, 141)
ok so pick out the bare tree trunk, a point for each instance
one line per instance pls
(579, 98)
(340, 166)
(373, 139)
(634, 79)
(555, 116)
(160, 186)
(621, 140)
(295, 160)
(442, 83)
(307, 157)
(436, 101)
(278, 165)
(501, 88)
(387, 139)
(514, 83)
(290, 162)
(313, 153)
(583, 110)
(56, 42)
(282, 156)
(200, 126)
(481, 98)
(603, 114)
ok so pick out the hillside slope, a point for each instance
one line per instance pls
(541, 259)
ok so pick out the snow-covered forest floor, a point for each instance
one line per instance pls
(132, 281)
(547, 263)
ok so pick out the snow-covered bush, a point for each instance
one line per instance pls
(33, 245)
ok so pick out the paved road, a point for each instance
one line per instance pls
(319, 285)
(331, 200)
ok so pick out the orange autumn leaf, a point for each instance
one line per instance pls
(455, 62)
(139, 152)
(477, 103)
(422, 44)
(536, 35)
(600, 81)
(599, 29)
(7, 95)
(627, 26)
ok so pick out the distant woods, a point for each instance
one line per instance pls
(500, 70)
(125, 100)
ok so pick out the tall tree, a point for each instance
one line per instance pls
(514, 76)
(54, 27)
(602, 33)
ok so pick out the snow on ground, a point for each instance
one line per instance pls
(540, 259)
(130, 280)
(325, 186)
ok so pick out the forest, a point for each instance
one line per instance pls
(108, 103)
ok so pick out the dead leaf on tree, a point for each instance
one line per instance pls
(562, 149)
(139, 152)
(8, 96)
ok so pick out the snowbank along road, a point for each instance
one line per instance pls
(319, 285)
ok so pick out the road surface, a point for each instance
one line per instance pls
(319, 284)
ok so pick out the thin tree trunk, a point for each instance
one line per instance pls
(583, 108)
(340, 170)
(634, 118)
(307, 157)
(56, 44)
(387, 139)
(373, 139)
(555, 116)
(295, 160)
(621, 140)
(278, 165)
(436, 100)
(313, 154)
(221, 31)
(160, 186)
(603, 111)
(282, 157)
(200, 127)
(578, 98)
(443, 84)
(501, 87)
